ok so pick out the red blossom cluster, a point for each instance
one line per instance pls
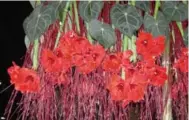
(72, 51)
(76, 51)
(139, 74)
(24, 79)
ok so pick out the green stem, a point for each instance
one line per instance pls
(173, 35)
(35, 54)
(167, 113)
(125, 43)
(157, 5)
(62, 23)
(38, 2)
(133, 2)
(133, 47)
(124, 47)
(70, 11)
(76, 16)
(179, 24)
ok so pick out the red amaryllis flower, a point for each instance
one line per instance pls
(71, 43)
(13, 72)
(158, 46)
(130, 89)
(157, 75)
(135, 92)
(30, 81)
(98, 54)
(24, 79)
(50, 62)
(144, 42)
(67, 37)
(116, 88)
(112, 62)
(65, 46)
(135, 87)
(148, 58)
(90, 59)
(150, 47)
(80, 45)
(66, 59)
(182, 62)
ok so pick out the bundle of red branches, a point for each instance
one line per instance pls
(75, 51)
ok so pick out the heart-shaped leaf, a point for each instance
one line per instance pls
(126, 18)
(90, 10)
(186, 37)
(144, 5)
(38, 21)
(102, 32)
(176, 11)
(32, 3)
(58, 5)
(158, 26)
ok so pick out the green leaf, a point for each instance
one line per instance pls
(38, 21)
(144, 5)
(27, 42)
(32, 3)
(126, 18)
(186, 37)
(58, 5)
(102, 32)
(158, 26)
(176, 11)
(90, 10)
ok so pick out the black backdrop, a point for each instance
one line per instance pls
(12, 47)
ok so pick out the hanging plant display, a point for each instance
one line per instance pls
(104, 60)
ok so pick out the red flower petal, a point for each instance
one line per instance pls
(27, 80)
(143, 42)
(158, 46)
(116, 88)
(112, 63)
(50, 62)
(13, 72)
(182, 64)
(158, 75)
(127, 54)
(89, 59)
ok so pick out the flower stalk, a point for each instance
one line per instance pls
(35, 54)
(167, 112)
(157, 5)
(179, 24)
(133, 2)
(76, 16)
(124, 47)
(62, 23)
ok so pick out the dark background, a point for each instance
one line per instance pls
(12, 47)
